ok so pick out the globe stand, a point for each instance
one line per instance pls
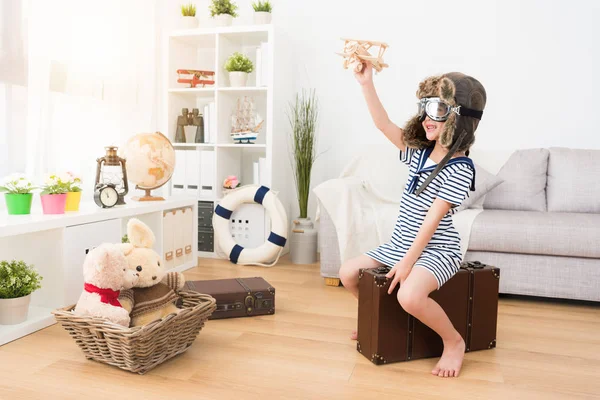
(148, 197)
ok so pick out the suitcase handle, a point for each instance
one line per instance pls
(382, 270)
(473, 264)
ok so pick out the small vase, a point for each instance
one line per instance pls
(238, 78)
(73, 200)
(303, 242)
(14, 311)
(223, 20)
(18, 204)
(54, 203)
(189, 22)
(262, 17)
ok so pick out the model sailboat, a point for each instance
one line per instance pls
(245, 122)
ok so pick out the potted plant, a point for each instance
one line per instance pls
(54, 194)
(223, 11)
(73, 192)
(17, 193)
(230, 183)
(262, 12)
(238, 66)
(303, 121)
(17, 281)
(188, 16)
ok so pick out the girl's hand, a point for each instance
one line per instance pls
(400, 273)
(366, 75)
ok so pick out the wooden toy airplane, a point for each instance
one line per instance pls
(357, 51)
(196, 77)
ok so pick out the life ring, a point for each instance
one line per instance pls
(272, 247)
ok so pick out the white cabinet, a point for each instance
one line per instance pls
(56, 245)
(77, 242)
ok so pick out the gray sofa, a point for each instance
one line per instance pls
(540, 224)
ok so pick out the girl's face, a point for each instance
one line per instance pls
(433, 129)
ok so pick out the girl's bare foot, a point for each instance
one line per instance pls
(452, 358)
(354, 335)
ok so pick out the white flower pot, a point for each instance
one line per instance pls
(223, 20)
(188, 22)
(262, 17)
(238, 78)
(303, 242)
(14, 311)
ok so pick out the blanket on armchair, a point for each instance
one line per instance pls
(363, 202)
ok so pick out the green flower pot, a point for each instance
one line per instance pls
(18, 203)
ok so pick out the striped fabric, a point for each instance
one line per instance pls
(442, 255)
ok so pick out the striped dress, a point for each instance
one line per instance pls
(442, 255)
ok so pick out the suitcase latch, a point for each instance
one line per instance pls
(249, 302)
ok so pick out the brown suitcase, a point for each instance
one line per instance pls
(239, 297)
(387, 333)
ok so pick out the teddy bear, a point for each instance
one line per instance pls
(154, 295)
(105, 274)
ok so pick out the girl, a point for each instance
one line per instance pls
(424, 250)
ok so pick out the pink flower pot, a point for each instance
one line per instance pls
(54, 203)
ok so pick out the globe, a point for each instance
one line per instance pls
(150, 161)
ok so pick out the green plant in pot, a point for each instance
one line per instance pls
(238, 66)
(262, 12)
(303, 117)
(17, 194)
(17, 281)
(188, 16)
(223, 11)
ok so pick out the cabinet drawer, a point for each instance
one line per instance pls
(206, 240)
(206, 204)
(205, 216)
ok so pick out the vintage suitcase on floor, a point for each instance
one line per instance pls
(239, 297)
(387, 333)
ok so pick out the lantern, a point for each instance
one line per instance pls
(111, 171)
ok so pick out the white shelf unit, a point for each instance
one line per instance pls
(208, 49)
(56, 245)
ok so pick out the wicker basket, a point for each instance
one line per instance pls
(141, 348)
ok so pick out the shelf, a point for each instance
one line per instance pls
(223, 145)
(11, 225)
(243, 145)
(195, 37)
(244, 89)
(184, 33)
(194, 145)
(206, 91)
(38, 318)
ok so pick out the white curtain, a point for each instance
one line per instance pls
(89, 80)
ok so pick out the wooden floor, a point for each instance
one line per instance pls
(546, 350)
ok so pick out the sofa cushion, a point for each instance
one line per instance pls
(573, 180)
(526, 232)
(524, 186)
(484, 182)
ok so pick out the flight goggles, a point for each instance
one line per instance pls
(439, 111)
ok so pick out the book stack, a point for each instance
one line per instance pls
(210, 123)
(194, 173)
(262, 64)
(260, 173)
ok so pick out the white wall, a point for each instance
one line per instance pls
(535, 58)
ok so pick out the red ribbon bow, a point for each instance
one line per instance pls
(108, 296)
